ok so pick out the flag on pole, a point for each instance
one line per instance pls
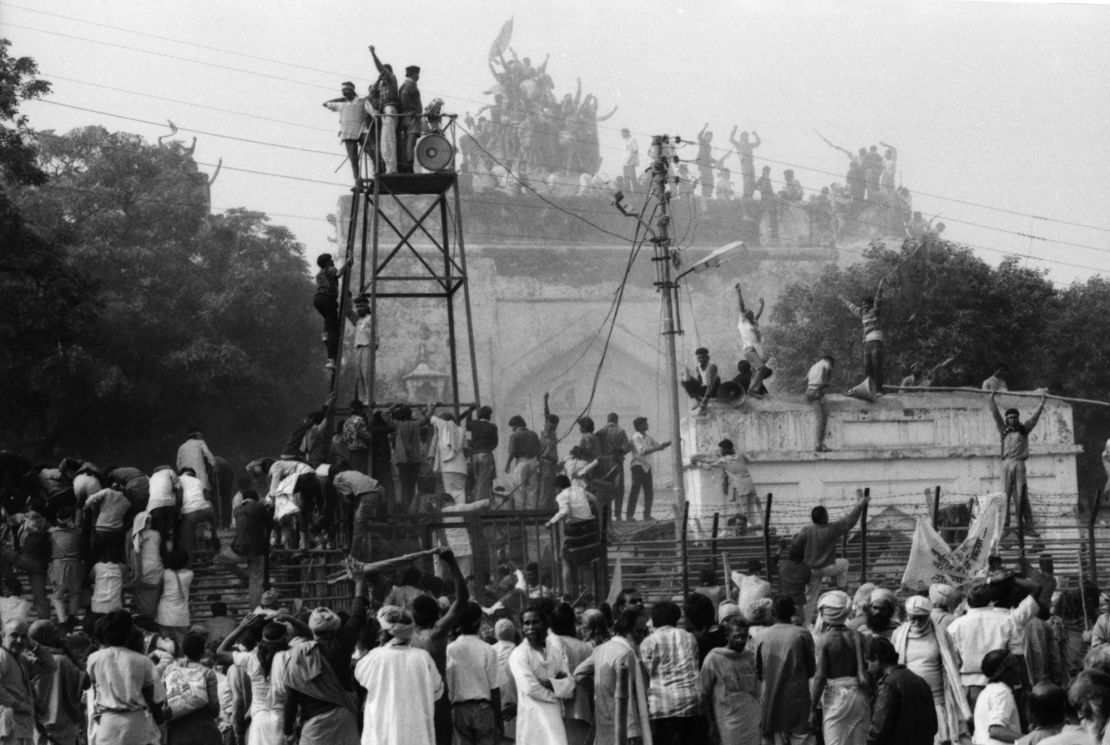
(501, 43)
(931, 560)
(615, 583)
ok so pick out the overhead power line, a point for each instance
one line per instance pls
(272, 60)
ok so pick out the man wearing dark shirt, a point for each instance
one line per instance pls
(412, 108)
(253, 523)
(904, 713)
(819, 540)
(318, 680)
(613, 443)
(549, 456)
(390, 99)
(524, 453)
(483, 441)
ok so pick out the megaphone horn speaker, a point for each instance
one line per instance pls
(434, 152)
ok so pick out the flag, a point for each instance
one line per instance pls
(931, 560)
(615, 584)
(501, 43)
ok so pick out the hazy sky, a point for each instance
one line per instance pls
(998, 109)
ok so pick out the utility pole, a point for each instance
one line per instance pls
(663, 264)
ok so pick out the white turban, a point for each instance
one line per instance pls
(941, 595)
(918, 606)
(834, 607)
(323, 620)
(396, 622)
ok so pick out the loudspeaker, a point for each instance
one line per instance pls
(863, 391)
(434, 153)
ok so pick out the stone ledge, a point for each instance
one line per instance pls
(857, 454)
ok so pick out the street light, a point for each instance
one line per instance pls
(715, 259)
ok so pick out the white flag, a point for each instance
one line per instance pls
(501, 43)
(931, 560)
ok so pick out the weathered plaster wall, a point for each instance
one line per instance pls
(899, 446)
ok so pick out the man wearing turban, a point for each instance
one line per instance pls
(840, 684)
(880, 614)
(928, 651)
(402, 685)
(317, 676)
(943, 597)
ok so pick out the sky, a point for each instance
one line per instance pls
(998, 110)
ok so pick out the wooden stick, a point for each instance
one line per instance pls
(376, 565)
(1083, 590)
(863, 539)
(1091, 537)
(767, 536)
(1020, 394)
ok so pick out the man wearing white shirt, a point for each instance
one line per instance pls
(195, 509)
(165, 497)
(631, 160)
(473, 683)
(353, 119)
(643, 446)
(817, 380)
(981, 630)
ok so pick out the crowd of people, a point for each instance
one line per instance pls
(458, 655)
(1005, 658)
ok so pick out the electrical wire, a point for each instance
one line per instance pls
(153, 97)
(725, 150)
(519, 180)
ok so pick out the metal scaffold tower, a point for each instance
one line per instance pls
(405, 233)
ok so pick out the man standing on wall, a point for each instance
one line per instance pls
(873, 349)
(1015, 451)
(817, 380)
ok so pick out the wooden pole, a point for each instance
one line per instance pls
(1091, 537)
(376, 565)
(713, 540)
(685, 555)
(1021, 498)
(1083, 590)
(936, 506)
(767, 536)
(1021, 394)
(863, 539)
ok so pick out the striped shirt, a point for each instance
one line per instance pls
(869, 317)
(671, 657)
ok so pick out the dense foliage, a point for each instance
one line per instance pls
(129, 313)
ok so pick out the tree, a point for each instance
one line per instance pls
(197, 320)
(939, 300)
(18, 84)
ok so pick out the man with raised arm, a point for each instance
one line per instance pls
(1015, 451)
(820, 539)
(390, 99)
(744, 148)
(352, 121)
(751, 342)
(873, 349)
